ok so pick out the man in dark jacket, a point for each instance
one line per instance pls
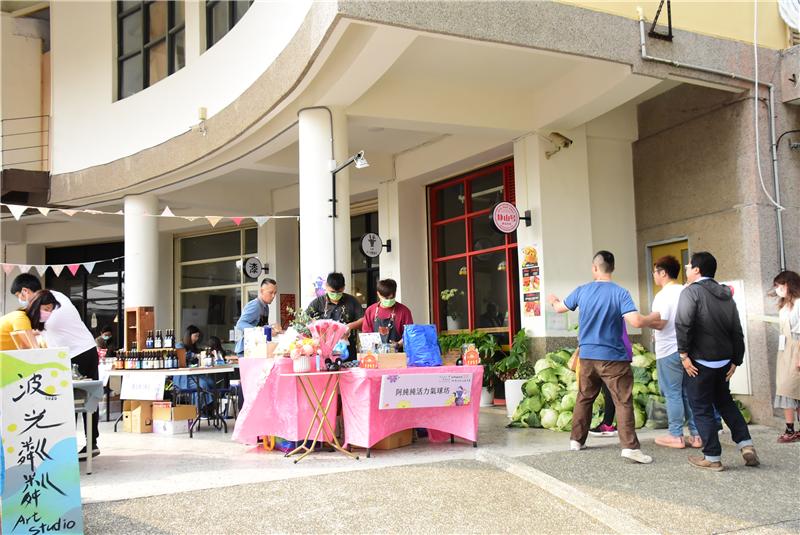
(711, 346)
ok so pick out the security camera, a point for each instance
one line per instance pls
(559, 141)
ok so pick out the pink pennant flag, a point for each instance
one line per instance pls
(57, 269)
(73, 268)
(41, 270)
(213, 220)
(237, 220)
(89, 266)
(68, 212)
(44, 211)
(261, 220)
(8, 268)
(16, 210)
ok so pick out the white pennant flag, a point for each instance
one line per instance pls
(24, 268)
(119, 212)
(57, 269)
(44, 211)
(41, 270)
(68, 212)
(213, 220)
(261, 220)
(89, 266)
(16, 210)
(93, 212)
(190, 217)
(167, 212)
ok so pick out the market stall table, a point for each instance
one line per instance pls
(194, 374)
(87, 394)
(366, 423)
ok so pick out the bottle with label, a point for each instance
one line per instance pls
(148, 342)
(168, 340)
(159, 341)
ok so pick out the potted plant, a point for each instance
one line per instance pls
(449, 296)
(514, 369)
(487, 347)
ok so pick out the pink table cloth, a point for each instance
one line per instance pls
(274, 404)
(366, 424)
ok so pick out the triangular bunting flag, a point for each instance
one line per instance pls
(41, 270)
(16, 210)
(73, 268)
(260, 220)
(57, 269)
(24, 268)
(237, 220)
(213, 220)
(167, 212)
(89, 266)
(44, 211)
(68, 212)
(119, 212)
(190, 217)
(8, 268)
(93, 212)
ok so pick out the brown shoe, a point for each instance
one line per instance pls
(702, 462)
(750, 456)
(694, 441)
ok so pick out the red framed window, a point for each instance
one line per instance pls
(474, 267)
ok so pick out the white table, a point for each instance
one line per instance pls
(195, 374)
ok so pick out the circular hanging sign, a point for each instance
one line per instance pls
(505, 217)
(371, 245)
(253, 267)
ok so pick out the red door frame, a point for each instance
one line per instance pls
(510, 245)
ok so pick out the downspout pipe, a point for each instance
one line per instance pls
(771, 105)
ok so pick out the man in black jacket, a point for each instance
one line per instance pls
(711, 346)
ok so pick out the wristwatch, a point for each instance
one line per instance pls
(684, 357)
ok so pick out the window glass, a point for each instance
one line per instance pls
(486, 191)
(358, 260)
(132, 79)
(360, 287)
(157, 17)
(240, 7)
(219, 21)
(449, 202)
(452, 276)
(212, 274)
(179, 50)
(490, 282)
(179, 12)
(451, 238)
(251, 241)
(484, 236)
(158, 62)
(131, 33)
(210, 246)
(214, 312)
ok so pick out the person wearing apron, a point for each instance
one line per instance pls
(787, 369)
(339, 306)
(387, 317)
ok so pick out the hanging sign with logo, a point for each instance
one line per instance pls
(372, 245)
(253, 267)
(505, 217)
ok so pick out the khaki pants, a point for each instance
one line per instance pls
(618, 377)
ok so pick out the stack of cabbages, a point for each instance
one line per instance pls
(550, 395)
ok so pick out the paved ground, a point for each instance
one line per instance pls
(517, 481)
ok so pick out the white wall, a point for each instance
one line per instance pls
(91, 127)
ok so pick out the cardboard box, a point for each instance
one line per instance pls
(137, 416)
(388, 361)
(397, 440)
(164, 411)
(171, 427)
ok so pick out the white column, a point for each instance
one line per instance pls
(388, 229)
(324, 241)
(141, 251)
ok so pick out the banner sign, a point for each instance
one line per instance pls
(143, 386)
(41, 479)
(414, 391)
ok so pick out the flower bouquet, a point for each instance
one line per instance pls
(301, 351)
(327, 333)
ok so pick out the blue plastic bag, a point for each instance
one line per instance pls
(422, 345)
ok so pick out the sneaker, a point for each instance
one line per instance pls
(750, 456)
(574, 445)
(694, 441)
(637, 456)
(788, 437)
(603, 430)
(702, 462)
(82, 453)
(669, 441)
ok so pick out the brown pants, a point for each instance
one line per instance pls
(618, 377)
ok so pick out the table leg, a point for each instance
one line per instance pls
(314, 418)
(335, 445)
(196, 421)
(117, 421)
(89, 448)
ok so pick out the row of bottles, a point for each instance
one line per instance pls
(159, 341)
(144, 360)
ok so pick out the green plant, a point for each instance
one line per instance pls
(485, 343)
(300, 321)
(525, 371)
(452, 294)
(507, 366)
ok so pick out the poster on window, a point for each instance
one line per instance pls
(414, 391)
(40, 476)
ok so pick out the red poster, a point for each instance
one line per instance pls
(287, 301)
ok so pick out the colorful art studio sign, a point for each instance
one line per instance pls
(415, 391)
(40, 477)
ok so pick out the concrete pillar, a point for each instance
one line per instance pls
(324, 241)
(389, 229)
(141, 251)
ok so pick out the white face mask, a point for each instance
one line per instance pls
(22, 302)
(780, 291)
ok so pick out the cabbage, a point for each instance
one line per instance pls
(655, 374)
(520, 412)
(568, 401)
(533, 420)
(638, 349)
(639, 416)
(640, 388)
(548, 375)
(548, 418)
(532, 404)
(641, 375)
(549, 391)
(641, 361)
(531, 388)
(572, 386)
(565, 354)
(653, 386)
(541, 364)
(564, 421)
(597, 419)
(599, 403)
(565, 375)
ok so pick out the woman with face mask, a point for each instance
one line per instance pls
(787, 369)
(33, 316)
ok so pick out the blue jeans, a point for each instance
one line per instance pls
(670, 381)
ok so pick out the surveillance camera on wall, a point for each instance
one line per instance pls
(560, 141)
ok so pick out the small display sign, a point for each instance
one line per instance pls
(505, 217)
(371, 245)
(253, 267)
(415, 391)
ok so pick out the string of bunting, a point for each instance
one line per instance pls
(57, 268)
(18, 210)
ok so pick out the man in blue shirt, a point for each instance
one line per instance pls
(601, 304)
(256, 312)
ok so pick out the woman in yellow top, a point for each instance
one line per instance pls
(33, 316)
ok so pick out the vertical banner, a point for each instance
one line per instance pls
(41, 478)
(531, 282)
